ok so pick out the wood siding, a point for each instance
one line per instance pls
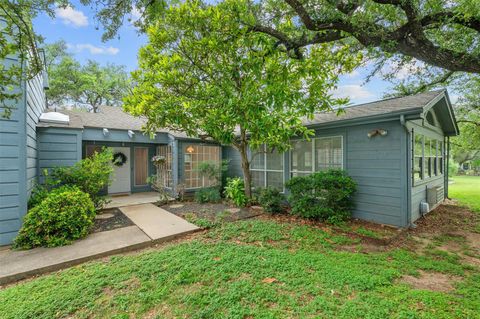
(18, 153)
(419, 188)
(377, 164)
(58, 147)
(35, 107)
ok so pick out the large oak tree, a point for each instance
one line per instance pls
(205, 73)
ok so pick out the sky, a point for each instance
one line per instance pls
(83, 36)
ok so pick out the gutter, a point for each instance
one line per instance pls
(408, 115)
(445, 188)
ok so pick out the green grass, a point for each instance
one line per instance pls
(466, 189)
(249, 269)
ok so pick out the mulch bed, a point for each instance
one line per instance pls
(110, 219)
(211, 211)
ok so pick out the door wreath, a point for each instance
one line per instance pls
(119, 159)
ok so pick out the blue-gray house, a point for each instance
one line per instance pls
(395, 149)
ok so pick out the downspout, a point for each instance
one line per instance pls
(446, 168)
(408, 168)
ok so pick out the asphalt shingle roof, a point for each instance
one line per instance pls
(386, 106)
(115, 118)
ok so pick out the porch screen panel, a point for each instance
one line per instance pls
(267, 169)
(301, 158)
(329, 153)
(194, 155)
(141, 166)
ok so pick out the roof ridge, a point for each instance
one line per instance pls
(397, 97)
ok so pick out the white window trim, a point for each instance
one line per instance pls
(265, 170)
(425, 178)
(314, 159)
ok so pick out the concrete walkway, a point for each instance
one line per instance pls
(148, 217)
(132, 199)
(152, 225)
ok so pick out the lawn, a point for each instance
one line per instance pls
(251, 269)
(466, 189)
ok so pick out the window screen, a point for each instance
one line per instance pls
(267, 169)
(194, 154)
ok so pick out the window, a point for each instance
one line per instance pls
(328, 153)
(427, 157)
(194, 155)
(418, 158)
(267, 169)
(429, 154)
(440, 156)
(164, 172)
(302, 158)
(316, 155)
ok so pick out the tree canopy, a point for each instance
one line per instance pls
(204, 73)
(86, 86)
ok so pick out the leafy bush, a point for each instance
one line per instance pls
(91, 175)
(214, 171)
(39, 193)
(271, 200)
(235, 191)
(66, 214)
(323, 195)
(208, 195)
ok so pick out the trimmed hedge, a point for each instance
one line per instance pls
(66, 214)
(325, 195)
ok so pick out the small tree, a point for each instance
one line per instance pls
(207, 74)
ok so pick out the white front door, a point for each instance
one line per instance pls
(121, 174)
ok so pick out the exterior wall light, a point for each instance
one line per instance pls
(105, 131)
(130, 133)
(380, 132)
(190, 149)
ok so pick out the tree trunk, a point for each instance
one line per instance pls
(247, 177)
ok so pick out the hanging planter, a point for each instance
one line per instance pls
(119, 159)
(158, 160)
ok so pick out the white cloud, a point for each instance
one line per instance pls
(93, 49)
(352, 74)
(404, 70)
(70, 16)
(352, 91)
(135, 14)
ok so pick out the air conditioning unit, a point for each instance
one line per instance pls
(434, 195)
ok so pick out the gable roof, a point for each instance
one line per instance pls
(399, 105)
(111, 117)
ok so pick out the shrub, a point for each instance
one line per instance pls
(208, 195)
(271, 200)
(66, 214)
(91, 175)
(235, 191)
(39, 193)
(323, 195)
